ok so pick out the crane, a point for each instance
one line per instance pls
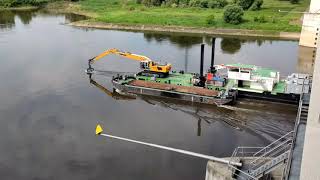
(149, 67)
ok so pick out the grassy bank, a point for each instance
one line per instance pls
(128, 12)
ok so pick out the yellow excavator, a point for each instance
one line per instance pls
(149, 67)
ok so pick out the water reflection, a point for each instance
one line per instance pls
(8, 21)
(306, 58)
(230, 45)
(112, 93)
(180, 40)
(69, 17)
(25, 16)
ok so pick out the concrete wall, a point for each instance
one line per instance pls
(218, 171)
(314, 6)
(311, 25)
(310, 168)
(310, 30)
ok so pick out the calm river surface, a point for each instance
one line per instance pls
(49, 109)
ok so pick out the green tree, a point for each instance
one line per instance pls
(245, 4)
(257, 5)
(204, 3)
(294, 1)
(217, 3)
(152, 2)
(233, 14)
(8, 3)
(171, 2)
(184, 2)
(194, 3)
(210, 20)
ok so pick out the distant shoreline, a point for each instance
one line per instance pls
(22, 8)
(92, 23)
(191, 30)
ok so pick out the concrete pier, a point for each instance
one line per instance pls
(219, 171)
(311, 155)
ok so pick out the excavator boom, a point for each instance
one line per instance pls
(123, 54)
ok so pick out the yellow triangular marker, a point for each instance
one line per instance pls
(99, 129)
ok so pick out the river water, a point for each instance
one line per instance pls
(49, 109)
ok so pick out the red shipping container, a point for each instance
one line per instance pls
(209, 76)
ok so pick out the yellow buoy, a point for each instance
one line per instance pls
(99, 129)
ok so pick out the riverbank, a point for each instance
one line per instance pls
(22, 8)
(268, 18)
(191, 30)
(136, 17)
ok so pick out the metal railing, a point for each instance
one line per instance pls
(269, 166)
(285, 137)
(262, 156)
(270, 155)
(244, 151)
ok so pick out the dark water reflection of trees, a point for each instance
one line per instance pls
(25, 16)
(182, 41)
(6, 20)
(229, 45)
(7, 17)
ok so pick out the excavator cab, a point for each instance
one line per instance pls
(160, 68)
(144, 65)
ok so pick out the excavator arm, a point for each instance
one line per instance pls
(117, 52)
(123, 54)
(148, 64)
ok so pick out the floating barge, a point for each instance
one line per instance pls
(176, 85)
(222, 84)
